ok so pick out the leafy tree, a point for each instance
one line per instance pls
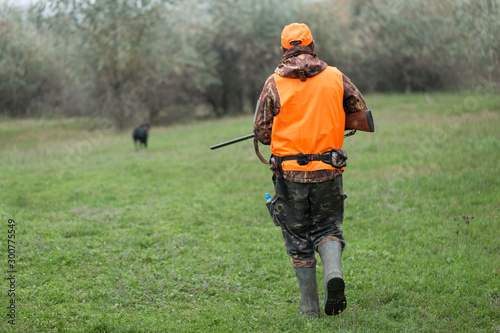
(422, 45)
(235, 47)
(117, 39)
(23, 63)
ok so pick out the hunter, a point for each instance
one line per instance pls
(301, 114)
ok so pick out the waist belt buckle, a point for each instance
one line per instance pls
(303, 159)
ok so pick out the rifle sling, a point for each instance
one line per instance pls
(257, 152)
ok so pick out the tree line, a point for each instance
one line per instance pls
(169, 60)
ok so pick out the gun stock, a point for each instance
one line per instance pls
(361, 121)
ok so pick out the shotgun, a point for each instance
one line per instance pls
(361, 121)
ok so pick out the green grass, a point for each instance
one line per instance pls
(176, 238)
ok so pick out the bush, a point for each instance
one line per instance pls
(146, 61)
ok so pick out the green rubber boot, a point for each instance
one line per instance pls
(335, 301)
(309, 299)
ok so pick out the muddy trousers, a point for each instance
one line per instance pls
(310, 222)
(313, 212)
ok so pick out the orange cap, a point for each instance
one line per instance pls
(296, 32)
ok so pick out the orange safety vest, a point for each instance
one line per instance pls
(311, 119)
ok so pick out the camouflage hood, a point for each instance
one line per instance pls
(300, 63)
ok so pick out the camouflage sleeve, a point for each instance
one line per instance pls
(353, 100)
(269, 107)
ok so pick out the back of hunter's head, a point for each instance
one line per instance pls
(296, 34)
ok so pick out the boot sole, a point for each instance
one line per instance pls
(336, 301)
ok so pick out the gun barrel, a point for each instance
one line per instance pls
(230, 142)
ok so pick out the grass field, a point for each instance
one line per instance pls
(176, 238)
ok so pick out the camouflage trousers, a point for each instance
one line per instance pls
(313, 212)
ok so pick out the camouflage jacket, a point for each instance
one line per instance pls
(300, 63)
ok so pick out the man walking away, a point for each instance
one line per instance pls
(301, 114)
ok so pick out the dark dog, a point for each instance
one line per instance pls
(141, 134)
